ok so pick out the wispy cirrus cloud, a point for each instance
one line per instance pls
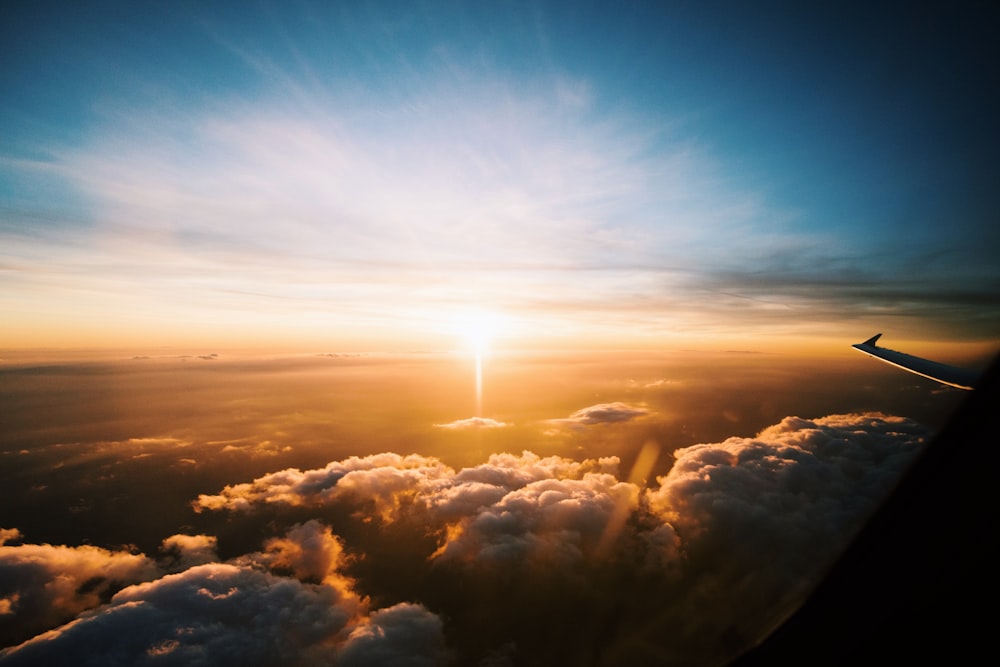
(464, 191)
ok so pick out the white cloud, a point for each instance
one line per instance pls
(44, 585)
(311, 552)
(9, 535)
(185, 551)
(210, 614)
(517, 552)
(294, 487)
(404, 634)
(238, 613)
(602, 413)
(555, 521)
(762, 518)
(279, 208)
(472, 423)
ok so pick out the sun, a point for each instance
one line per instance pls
(477, 329)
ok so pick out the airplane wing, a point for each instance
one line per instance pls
(949, 375)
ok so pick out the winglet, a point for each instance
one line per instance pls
(871, 341)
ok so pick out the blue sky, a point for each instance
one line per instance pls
(368, 172)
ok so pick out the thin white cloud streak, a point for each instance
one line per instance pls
(472, 423)
(602, 413)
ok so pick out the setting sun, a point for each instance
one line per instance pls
(477, 329)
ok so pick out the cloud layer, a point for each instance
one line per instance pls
(522, 558)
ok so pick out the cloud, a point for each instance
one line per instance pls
(726, 543)
(210, 614)
(241, 613)
(44, 585)
(185, 551)
(256, 449)
(9, 535)
(472, 423)
(519, 557)
(763, 517)
(602, 413)
(405, 634)
(555, 521)
(311, 552)
(314, 487)
(389, 479)
(484, 197)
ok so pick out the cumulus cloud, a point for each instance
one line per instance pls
(390, 480)
(761, 518)
(602, 413)
(519, 557)
(314, 487)
(557, 521)
(472, 423)
(311, 552)
(211, 614)
(741, 529)
(42, 585)
(184, 551)
(241, 613)
(405, 634)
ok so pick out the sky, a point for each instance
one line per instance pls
(362, 174)
(482, 334)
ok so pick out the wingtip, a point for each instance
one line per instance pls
(871, 341)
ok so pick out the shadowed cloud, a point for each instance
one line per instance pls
(237, 612)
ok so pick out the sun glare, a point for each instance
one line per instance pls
(477, 329)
